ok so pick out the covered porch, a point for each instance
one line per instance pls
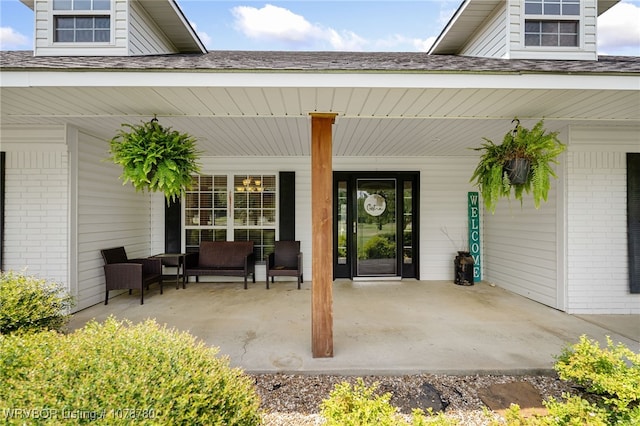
(403, 113)
(381, 327)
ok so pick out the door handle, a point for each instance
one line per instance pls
(355, 227)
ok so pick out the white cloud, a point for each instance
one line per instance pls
(398, 42)
(204, 37)
(424, 45)
(346, 40)
(619, 31)
(278, 24)
(446, 13)
(10, 39)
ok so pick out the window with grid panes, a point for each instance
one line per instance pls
(76, 21)
(551, 33)
(205, 211)
(232, 208)
(552, 7)
(254, 212)
(551, 25)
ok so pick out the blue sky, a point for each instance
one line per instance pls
(328, 25)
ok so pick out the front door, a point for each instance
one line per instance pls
(375, 243)
(375, 224)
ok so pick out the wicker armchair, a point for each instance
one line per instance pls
(122, 273)
(286, 260)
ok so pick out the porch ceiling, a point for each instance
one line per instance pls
(274, 121)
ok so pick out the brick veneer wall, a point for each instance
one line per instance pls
(597, 235)
(37, 213)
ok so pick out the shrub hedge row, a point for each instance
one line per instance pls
(121, 372)
(28, 304)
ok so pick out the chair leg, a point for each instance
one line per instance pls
(267, 282)
(298, 282)
(106, 298)
(142, 295)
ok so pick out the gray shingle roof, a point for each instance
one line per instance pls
(316, 61)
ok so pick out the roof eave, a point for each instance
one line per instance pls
(28, 3)
(181, 32)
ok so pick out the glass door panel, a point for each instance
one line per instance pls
(343, 223)
(376, 227)
(407, 228)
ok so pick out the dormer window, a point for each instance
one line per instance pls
(551, 23)
(552, 7)
(81, 21)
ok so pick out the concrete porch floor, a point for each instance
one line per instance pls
(380, 327)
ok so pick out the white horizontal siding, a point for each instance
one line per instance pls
(515, 26)
(525, 247)
(444, 185)
(36, 204)
(490, 41)
(145, 37)
(589, 24)
(597, 230)
(522, 248)
(40, 138)
(109, 214)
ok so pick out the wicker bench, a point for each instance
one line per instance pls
(227, 258)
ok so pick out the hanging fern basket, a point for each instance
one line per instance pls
(522, 163)
(155, 158)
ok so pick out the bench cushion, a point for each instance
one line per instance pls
(224, 254)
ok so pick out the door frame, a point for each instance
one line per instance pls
(404, 270)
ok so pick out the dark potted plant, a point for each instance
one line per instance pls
(155, 158)
(522, 163)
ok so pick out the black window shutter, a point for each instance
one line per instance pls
(172, 228)
(287, 198)
(3, 165)
(633, 219)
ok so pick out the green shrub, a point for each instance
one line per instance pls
(121, 373)
(573, 411)
(342, 244)
(419, 418)
(612, 373)
(359, 405)
(32, 304)
(378, 247)
(610, 376)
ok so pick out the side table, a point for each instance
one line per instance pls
(177, 260)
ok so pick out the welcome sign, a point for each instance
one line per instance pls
(474, 234)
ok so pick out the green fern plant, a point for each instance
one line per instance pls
(155, 158)
(539, 147)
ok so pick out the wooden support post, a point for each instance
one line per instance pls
(322, 235)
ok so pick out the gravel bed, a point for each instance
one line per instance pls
(294, 400)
